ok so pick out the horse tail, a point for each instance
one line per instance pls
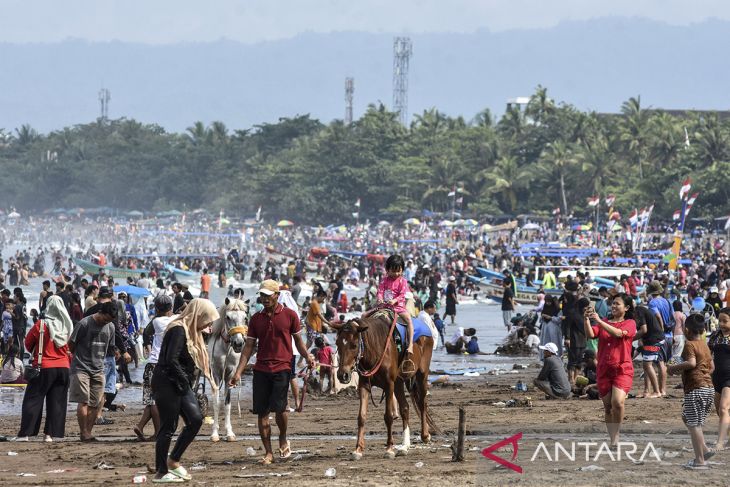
(417, 394)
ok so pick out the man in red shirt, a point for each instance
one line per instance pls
(273, 328)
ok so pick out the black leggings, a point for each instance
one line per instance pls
(171, 406)
(52, 387)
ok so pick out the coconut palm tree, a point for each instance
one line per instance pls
(634, 132)
(556, 160)
(507, 178)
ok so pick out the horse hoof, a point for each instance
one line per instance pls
(215, 438)
(389, 454)
(401, 452)
(426, 440)
(356, 455)
(231, 438)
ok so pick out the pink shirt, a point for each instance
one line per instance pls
(390, 289)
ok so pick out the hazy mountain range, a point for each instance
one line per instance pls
(594, 65)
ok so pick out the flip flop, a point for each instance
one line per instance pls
(89, 439)
(168, 478)
(285, 452)
(265, 461)
(140, 436)
(709, 453)
(181, 473)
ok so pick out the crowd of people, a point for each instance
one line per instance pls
(83, 335)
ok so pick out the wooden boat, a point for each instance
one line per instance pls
(494, 290)
(115, 272)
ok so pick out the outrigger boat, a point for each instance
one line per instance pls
(116, 272)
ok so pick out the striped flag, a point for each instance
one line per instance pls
(686, 187)
(676, 216)
(593, 201)
(556, 211)
(691, 200)
(452, 193)
(633, 218)
(610, 199)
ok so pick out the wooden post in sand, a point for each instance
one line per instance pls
(457, 449)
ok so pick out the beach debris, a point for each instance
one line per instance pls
(671, 454)
(260, 475)
(198, 466)
(519, 403)
(139, 479)
(330, 473)
(250, 451)
(519, 366)
(102, 465)
(521, 386)
(297, 457)
(25, 474)
(646, 421)
(471, 374)
(496, 371)
(419, 464)
(499, 404)
(441, 379)
(250, 424)
(591, 468)
(12, 454)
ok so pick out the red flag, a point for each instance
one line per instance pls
(692, 199)
(610, 199)
(556, 211)
(593, 201)
(676, 215)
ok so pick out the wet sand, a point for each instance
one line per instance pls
(326, 429)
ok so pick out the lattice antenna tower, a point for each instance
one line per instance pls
(104, 97)
(349, 91)
(402, 50)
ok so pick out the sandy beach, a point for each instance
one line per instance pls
(323, 436)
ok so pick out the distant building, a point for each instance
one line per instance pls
(519, 102)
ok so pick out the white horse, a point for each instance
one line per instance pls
(224, 351)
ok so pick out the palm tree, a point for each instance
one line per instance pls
(197, 134)
(540, 106)
(25, 135)
(634, 131)
(712, 142)
(507, 179)
(665, 140)
(558, 158)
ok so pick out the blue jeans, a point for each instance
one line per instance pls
(110, 375)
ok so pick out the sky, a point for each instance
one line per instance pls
(254, 21)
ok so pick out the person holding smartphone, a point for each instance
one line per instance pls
(615, 371)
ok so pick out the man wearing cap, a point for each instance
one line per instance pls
(552, 379)
(272, 329)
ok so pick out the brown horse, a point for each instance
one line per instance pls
(361, 346)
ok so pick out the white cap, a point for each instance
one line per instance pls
(714, 289)
(550, 347)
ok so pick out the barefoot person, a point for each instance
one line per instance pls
(91, 338)
(719, 343)
(182, 352)
(615, 374)
(552, 379)
(272, 329)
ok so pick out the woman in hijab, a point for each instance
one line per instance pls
(51, 385)
(551, 320)
(182, 352)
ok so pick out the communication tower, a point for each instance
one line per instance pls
(402, 50)
(104, 97)
(349, 90)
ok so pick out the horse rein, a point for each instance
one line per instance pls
(361, 348)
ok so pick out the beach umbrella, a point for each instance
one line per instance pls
(531, 226)
(471, 222)
(285, 223)
(446, 223)
(459, 222)
(383, 223)
(135, 213)
(132, 290)
(14, 214)
(412, 221)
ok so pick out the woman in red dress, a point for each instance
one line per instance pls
(615, 372)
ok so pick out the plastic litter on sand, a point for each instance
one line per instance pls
(330, 473)
(591, 468)
(250, 451)
(139, 479)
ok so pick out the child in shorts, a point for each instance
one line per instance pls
(698, 391)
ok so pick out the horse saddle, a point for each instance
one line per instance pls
(400, 334)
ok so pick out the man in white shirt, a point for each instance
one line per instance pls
(426, 315)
